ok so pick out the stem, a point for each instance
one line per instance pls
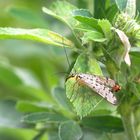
(126, 114)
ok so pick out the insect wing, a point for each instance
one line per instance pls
(100, 85)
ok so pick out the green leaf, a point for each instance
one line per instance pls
(111, 12)
(136, 121)
(70, 130)
(62, 10)
(89, 134)
(86, 63)
(60, 96)
(99, 8)
(26, 106)
(131, 8)
(89, 22)
(84, 100)
(104, 123)
(84, 28)
(93, 36)
(8, 75)
(23, 92)
(135, 51)
(13, 86)
(106, 28)
(40, 35)
(43, 117)
(111, 65)
(9, 117)
(121, 4)
(81, 12)
(53, 135)
(17, 134)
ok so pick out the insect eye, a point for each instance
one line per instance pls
(72, 75)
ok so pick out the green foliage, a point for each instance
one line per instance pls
(103, 42)
(40, 35)
(70, 130)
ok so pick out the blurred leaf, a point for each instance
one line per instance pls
(121, 4)
(111, 12)
(60, 97)
(135, 51)
(9, 117)
(104, 123)
(81, 12)
(17, 134)
(53, 135)
(106, 28)
(27, 77)
(23, 92)
(131, 8)
(63, 14)
(43, 117)
(89, 134)
(99, 8)
(135, 89)
(70, 130)
(8, 76)
(26, 15)
(93, 36)
(13, 86)
(111, 65)
(40, 35)
(26, 106)
(136, 121)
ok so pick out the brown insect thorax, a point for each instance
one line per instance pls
(116, 88)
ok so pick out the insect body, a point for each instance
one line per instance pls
(102, 85)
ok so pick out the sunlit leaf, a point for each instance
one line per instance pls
(106, 28)
(89, 22)
(40, 35)
(93, 36)
(63, 14)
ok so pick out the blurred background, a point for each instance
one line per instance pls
(27, 67)
(28, 70)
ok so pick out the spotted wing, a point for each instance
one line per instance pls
(100, 85)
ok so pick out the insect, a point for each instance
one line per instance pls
(104, 86)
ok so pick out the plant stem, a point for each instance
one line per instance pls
(126, 114)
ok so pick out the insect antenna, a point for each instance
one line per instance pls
(67, 56)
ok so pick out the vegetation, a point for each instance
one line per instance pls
(97, 37)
